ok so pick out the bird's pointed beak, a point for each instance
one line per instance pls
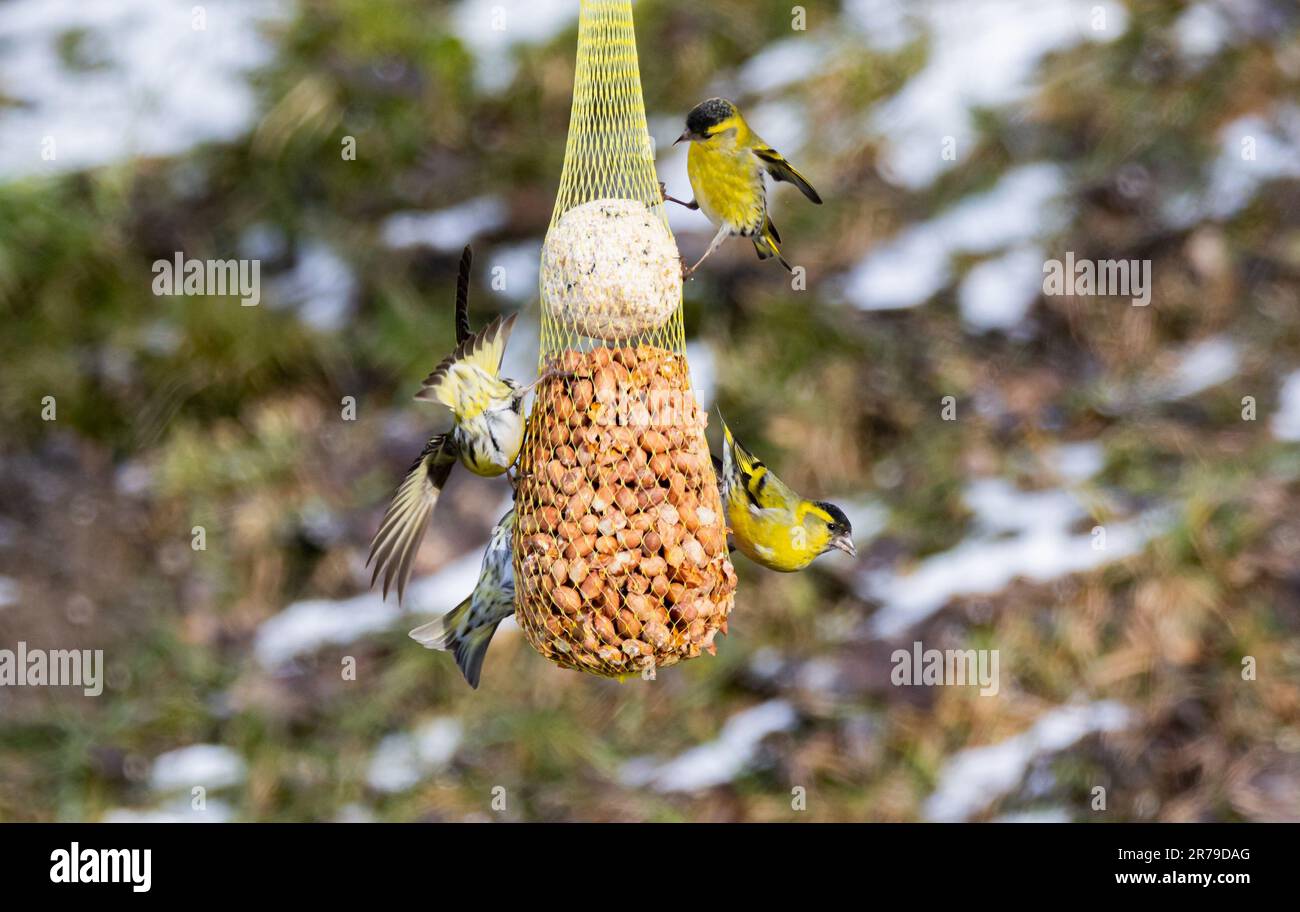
(842, 542)
(685, 137)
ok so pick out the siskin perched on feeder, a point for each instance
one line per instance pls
(725, 165)
(467, 629)
(488, 431)
(771, 524)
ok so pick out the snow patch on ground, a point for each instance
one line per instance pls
(1200, 32)
(982, 54)
(1022, 207)
(446, 230)
(178, 811)
(1018, 534)
(518, 265)
(1200, 367)
(404, 759)
(1253, 150)
(306, 626)
(975, 777)
(492, 29)
(151, 84)
(716, 762)
(1042, 815)
(211, 766)
(1286, 420)
(782, 64)
(320, 288)
(884, 25)
(1077, 462)
(998, 293)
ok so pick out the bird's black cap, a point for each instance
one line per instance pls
(708, 114)
(839, 522)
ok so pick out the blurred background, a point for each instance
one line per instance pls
(959, 146)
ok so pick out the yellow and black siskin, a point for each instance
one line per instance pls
(466, 630)
(488, 432)
(771, 524)
(726, 166)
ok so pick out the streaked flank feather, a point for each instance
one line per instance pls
(466, 630)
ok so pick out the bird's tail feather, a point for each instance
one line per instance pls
(462, 294)
(440, 633)
(766, 243)
(484, 350)
(470, 651)
(468, 648)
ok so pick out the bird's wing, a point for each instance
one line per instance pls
(407, 519)
(462, 295)
(483, 350)
(782, 170)
(762, 489)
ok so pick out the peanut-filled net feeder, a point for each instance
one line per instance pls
(620, 546)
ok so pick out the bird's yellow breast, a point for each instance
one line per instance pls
(728, 185)
(482, 462)
(772, 537)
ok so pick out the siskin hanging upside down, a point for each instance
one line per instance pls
(488, 431)
(771, 524)
(726, 164)
(467, 629)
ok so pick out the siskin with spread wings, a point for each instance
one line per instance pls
(726, 164)
(467, 629)
(771, 524)
(488, 431)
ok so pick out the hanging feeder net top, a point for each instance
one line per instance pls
(610, 268)
(620, 549)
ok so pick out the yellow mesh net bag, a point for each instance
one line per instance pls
(620, 546)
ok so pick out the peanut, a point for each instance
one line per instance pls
(622, 551)
(567, 600)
